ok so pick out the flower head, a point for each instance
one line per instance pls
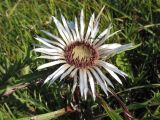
(81, 54)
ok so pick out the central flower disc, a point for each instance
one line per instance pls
(81, 54)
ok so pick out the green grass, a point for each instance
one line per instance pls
(21, 20)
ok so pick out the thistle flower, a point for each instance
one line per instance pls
(81, 54)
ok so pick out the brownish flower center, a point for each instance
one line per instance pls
(81, 54)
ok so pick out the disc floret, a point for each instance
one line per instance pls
(81, 54)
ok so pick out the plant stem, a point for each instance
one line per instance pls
(51, 115)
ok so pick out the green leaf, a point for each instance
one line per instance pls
(111, 113)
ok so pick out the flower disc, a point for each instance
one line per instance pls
(81, 54)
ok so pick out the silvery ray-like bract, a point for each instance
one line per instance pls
(81, 53)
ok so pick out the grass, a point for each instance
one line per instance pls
(21, 20)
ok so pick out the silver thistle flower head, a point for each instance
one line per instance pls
(81, 54)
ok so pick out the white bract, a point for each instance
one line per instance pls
(81, 54)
